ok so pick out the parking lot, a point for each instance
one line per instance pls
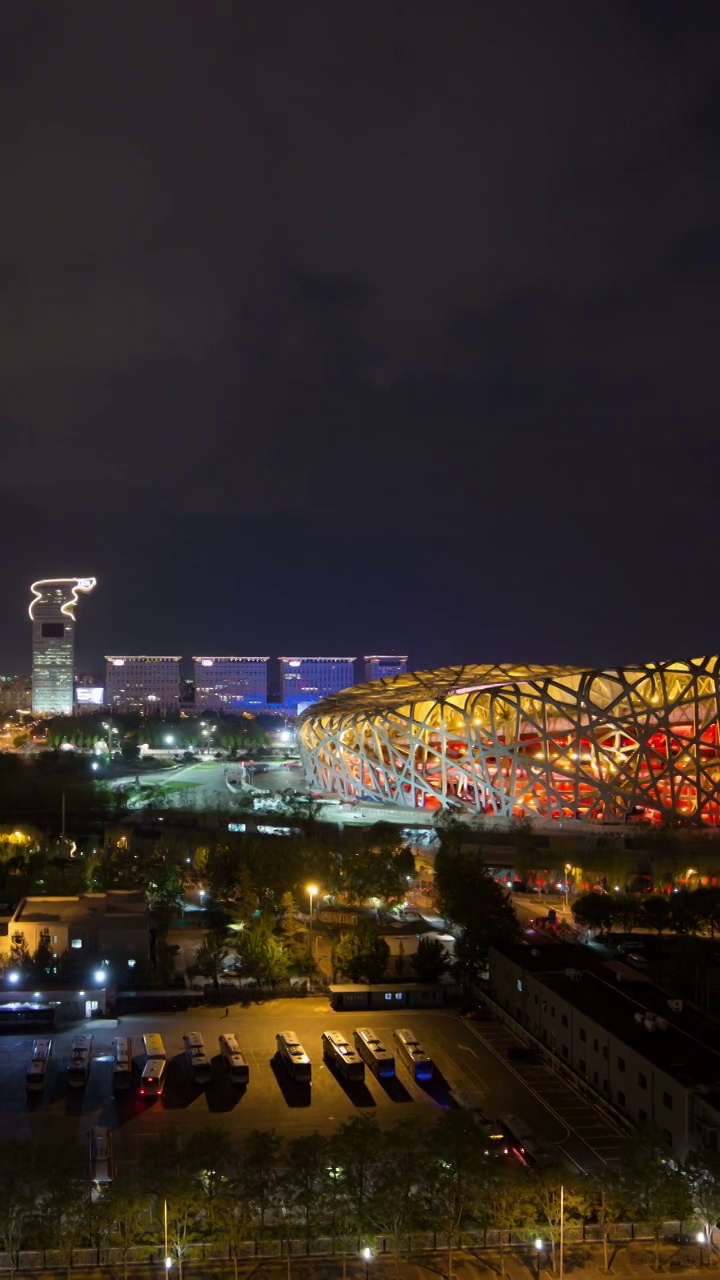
(469, 1058)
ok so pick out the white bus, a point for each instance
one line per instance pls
(79, 1065)
(370, 1047)
(152, 1081)
(232, 1056)
(122, 1063)
(411, 1052)
(523, 1142)
(154, 1047)
(293, 1056)
(341, 1054)
(102, 1164)
(196, 1058)
(38, 1065)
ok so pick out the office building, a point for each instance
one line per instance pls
(305, 680)
(561, 744)
(230, 684)
(142, 684)
(383, 666)
(115, 921)
(52, 612)
(653, 1058)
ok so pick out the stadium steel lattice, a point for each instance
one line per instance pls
(550, 742)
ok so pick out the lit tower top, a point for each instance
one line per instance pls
(52, 611)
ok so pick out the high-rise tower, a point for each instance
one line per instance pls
(53, 617)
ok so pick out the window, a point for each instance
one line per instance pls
(667, 1101)
(582, 1066)
(535, 998)
(667, 1136)
(621, 1064)
(519, 984)
(388, 995)
(76, 943)
(642, 1115)
(642, 1080)
(596, 1078)
(606, 1052)
(621, 1097)
(596, 1045)
(552, 1010)
(398, 995)
(564, 1051)
(564, 1020)
(583, 1035)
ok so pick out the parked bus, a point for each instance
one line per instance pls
(370, 1047)
(122, 1063)
(522, 1141)
(293, 1056)
(79, 1064)
(411, 1052)
(152, 1081)
(101, 1161)
(232, 1056)
(37, 1067)
(342, 1055)
(196, 1058)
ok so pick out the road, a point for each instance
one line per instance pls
(469, 1057)
(203, 785)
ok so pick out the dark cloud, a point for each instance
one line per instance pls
(388, 324)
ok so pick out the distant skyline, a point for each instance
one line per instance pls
(342, 328)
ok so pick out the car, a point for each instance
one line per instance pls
(635, 958)
(522, 1053)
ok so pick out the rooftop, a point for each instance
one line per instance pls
(117, 904)
(670, 1034)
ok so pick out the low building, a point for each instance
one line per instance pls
(653, 1058)
(27, 1009)
(391, 995)
(117, 921)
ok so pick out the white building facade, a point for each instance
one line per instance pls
(142, 684)
(52, 612)
(230, 684)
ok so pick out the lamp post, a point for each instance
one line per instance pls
(312, 891)
(538, 1248)
(168, 1259)
(367, 1256)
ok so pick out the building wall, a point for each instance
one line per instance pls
(383, 666)
(143, 684)
(613, 1068)
(308, 679)
(227, 684)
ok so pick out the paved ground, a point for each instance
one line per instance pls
(469, 1058)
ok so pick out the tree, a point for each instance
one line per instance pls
(18, 1175)
(402, 1183)
(258, 1179)
(702, 1179)
(362, 956)
(209, 958)
(19, 957)
(43, 959)
(508, 1202)
(595, 911)
(304, 1184)
(475, 905)
(354, 1150)
(656, 912)
(127, 1206)
(545, 1196)
(707, 899)
(654, 1186)
(627, 909)
(460, 1175)
(261, 954)
(603, 1199)
(430, 961)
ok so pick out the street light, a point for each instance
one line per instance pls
(169, 739)
(312, 891)
(367, 1256)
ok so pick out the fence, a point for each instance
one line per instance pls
(326, 1247)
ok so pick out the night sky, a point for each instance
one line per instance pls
(338, 327)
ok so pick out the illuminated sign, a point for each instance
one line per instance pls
(75, 584)
(93, 694)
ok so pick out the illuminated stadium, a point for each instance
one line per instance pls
(639, 742)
